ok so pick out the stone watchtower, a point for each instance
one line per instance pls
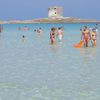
(55, 12)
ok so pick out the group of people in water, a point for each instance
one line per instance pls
(59, 34)
(88, 34)
(39, 31)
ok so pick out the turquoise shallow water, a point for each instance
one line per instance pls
(36, 70)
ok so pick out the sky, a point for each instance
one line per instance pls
(30, 9)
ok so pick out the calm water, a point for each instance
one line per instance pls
(36, 70)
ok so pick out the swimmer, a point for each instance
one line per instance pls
(93, 37)
(35, 30)
(39, 31)
(85, 36)
(60, 33)
(23, 38)
(52, 35)
(80, 29)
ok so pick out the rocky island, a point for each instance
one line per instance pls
(55, 15)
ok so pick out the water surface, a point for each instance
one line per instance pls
(35, 70)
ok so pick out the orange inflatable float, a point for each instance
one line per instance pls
(79, 45)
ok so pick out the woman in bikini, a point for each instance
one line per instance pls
(52, 35)
(93, 37)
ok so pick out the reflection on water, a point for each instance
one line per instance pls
(24, 39)
(35, 70)
(54, 48)
(88, 55)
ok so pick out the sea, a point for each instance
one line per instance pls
(33, 69)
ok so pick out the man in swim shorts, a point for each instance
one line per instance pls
(52, 35)
(86, 36)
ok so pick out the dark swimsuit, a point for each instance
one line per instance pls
(52, 36)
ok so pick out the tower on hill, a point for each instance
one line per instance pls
(55, 12)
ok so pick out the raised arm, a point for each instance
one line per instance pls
(89, 35)
(82, 36)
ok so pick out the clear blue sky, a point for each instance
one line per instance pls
(30, 9)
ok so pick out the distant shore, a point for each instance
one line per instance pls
(51, 20)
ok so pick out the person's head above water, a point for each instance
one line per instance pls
(23, 36)
(35, 30)
(40, 28)
(85, 28)
(53, 29)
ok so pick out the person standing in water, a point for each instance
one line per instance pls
(94, 37)
(52, 35)
(60, 33)
(86, 36)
